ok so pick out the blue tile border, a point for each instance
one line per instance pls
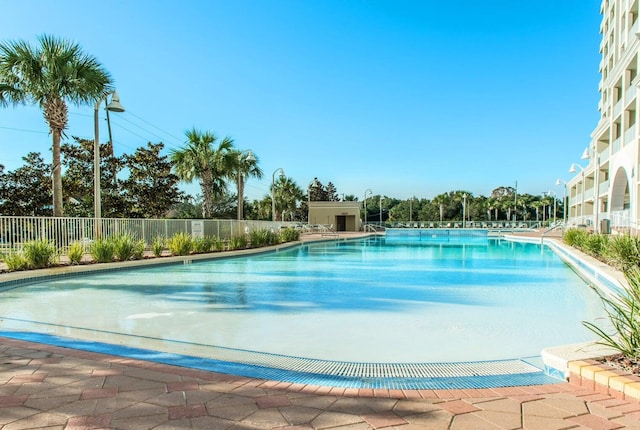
(299, 377)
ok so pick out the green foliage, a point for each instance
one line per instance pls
(15, 261)
(205, 244)
(75, 252)
(575, 237)
(26, 191)
(596, 245)
(180, 244)
(102, 250)
(238, 242)
(126, 247)
(40, 254)
(623, 311)
(264, 237)
(158, 246)
(289, 235)
(623, 251)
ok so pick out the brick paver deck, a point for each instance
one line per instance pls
(48, 387)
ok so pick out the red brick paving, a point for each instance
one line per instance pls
(42, 386)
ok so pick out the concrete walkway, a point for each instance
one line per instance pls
(47, 387)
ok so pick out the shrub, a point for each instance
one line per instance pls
(126, 247)
(289, 235)
(596, 245)
(623, 312)
(204, 244)
(180, 244)
(102, 250)
(238, 242)
(260, 238)
(158, 245)
(15, 261)
(75, 252)
(574, 237)
(623, 251)
(40, 253)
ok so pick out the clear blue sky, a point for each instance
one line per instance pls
(406, 98)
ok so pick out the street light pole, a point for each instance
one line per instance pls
(273, 192)
(114, 106)
(464, 209)
(365, 204)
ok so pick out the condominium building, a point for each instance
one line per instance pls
(604, 193)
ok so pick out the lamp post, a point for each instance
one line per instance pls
(564, 200)
(380, 210)
(114, 106)
(273, 192)
(365, 203)
(250, 158)
(411, 209)
(464, 209)
(572, 169)
(555, 204)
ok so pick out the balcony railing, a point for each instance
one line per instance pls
(630, 135)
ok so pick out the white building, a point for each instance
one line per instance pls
(608, 187)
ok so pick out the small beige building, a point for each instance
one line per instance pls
(343, 216)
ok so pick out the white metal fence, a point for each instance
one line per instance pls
(15, 231)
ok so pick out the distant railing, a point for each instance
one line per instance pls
(16, 231)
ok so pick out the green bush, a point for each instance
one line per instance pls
(102, 250)
(158, 245)
(205, 244)
(289, 235)
(40, 253)
(75, 252)
(180, 244)
(596, 245)
(15, 261)
(575, 237)
(623, 251)
(238, 242)
(623, 312)
(264, 237)
(126, 247)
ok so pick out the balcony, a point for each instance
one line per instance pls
(630, 94)
(616, 145)
(603, 188)
(617, 109)
(630, 135)
(604, 155)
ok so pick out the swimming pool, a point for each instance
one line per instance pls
(378, 300)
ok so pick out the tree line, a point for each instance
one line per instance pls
(56, 72)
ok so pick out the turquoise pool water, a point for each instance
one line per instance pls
(374, 300)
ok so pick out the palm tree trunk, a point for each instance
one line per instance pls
(240, 196)
(56, 175)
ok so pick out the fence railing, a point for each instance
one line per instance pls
(16, 231)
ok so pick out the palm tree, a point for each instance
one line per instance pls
(210, 165)
(287, 194)
(243, 167)
(51, 75)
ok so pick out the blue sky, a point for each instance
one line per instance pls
(406, 98)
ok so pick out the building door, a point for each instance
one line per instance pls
(341, 223)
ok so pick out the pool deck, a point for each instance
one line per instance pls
(50, 387)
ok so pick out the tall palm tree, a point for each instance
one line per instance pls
(243, 168)
(201, 160)
(52, 74)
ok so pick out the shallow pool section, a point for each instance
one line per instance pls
(354, 301)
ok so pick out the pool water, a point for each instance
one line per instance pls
(373, 300)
